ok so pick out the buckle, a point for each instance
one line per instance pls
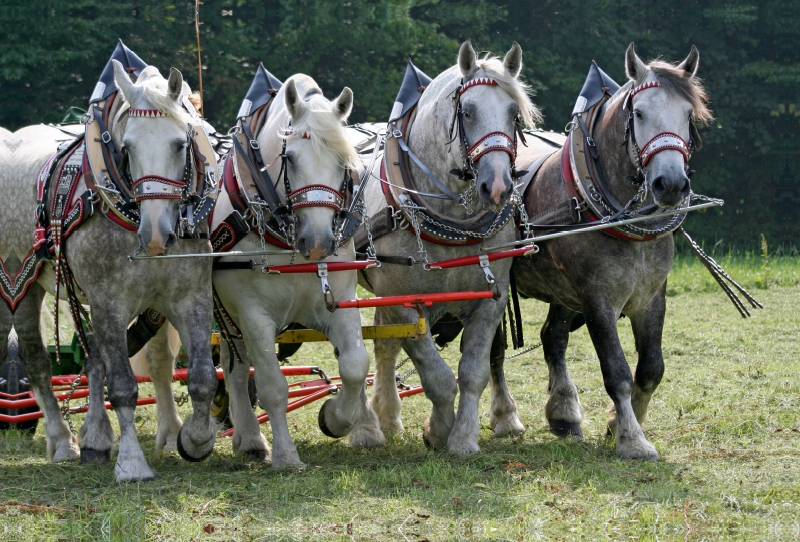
(322, 273)
(397, 133)
(254, 145)
(487, 272)
(105, 137)
(590, 141)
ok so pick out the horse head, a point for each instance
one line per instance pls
(155, 140)
(665, 102)
(318, 158)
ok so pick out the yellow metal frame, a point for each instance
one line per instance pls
(415, 331)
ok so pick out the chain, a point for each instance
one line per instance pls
(495, 226)
(412, 214)
(401, 379)
(525, 351)
(517, 201)
(467, 198)
(65, 410)
(361, 208)
(181, 399)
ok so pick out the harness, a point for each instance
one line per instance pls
(590, 195)
(255, 200)
(406, 204)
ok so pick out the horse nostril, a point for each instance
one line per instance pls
(486, 190)
(171, 240)
(301, 246)
(659, 186)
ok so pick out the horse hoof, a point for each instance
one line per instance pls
(427, 442)
(185, 455)
(100, 457)
(255, 455)
(321, 421)
(564, 429)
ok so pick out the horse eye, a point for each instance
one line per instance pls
(638, 114)
(467, 114)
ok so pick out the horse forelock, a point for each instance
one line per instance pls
(328, 138)
(675, 81)
(152, 89)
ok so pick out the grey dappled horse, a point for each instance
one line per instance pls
(595, 278)
(262, 304)
(118, 290)
(486, 109)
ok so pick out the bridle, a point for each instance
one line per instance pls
(312, 195)
(663, 141)
(491, 142)
(195, 201)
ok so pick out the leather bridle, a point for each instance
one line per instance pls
(663, 141)
(491, 142)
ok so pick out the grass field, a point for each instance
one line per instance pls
(725, 421)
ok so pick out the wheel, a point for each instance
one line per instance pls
(14, 380)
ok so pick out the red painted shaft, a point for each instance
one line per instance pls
(313, 268)
(475, 259)
(410, 300)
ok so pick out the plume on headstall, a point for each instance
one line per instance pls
(520, 92)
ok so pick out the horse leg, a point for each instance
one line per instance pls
(273, 391)
(385, 401)
(563, 410)
(96, 435)
(473, 375)
(601, 321)
(192, 318)
(110, 331)
(349, 412)
(503, 417)
(647, 328)
(160, 365)
(247, 437)
(61, 444)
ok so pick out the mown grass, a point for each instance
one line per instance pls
(725, 421)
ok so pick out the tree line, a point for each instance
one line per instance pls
(52, 54)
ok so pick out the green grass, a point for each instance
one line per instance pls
(725, 421)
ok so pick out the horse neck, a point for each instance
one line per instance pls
(615, 161)
(429, 140)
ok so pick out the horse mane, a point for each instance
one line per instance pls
(153, 88)
(675, 81)
(520, 92)
(328, 137)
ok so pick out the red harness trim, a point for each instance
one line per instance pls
(665, 141)
(335, 204)
(479, 81)
(501, 143)
(147, 113)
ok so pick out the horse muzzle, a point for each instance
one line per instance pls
(316, 247)
(494, 182)
(670, 191)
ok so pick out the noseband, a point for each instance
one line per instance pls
(663, 141)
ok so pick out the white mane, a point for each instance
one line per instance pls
(520, 92)
(328, 137)
(152, 88)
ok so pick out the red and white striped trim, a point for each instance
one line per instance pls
(148, 113)
(494, 141)
(316, 195)
(476, 82)
(644, 86)
(305, 135)
(665, 141)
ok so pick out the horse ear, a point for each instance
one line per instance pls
(123, 80)
(691, 63)
(344, 103)
(292, 99)
(634, 67)
(513, 60)
(175, 84)
(466, 58)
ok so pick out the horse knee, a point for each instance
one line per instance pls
(648, 375)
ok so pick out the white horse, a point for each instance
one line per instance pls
(117, 290)
(487, 99)
(318, 152)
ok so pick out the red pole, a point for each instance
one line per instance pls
(411, 300)
(475, 259)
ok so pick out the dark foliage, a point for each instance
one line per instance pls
(52, 52)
